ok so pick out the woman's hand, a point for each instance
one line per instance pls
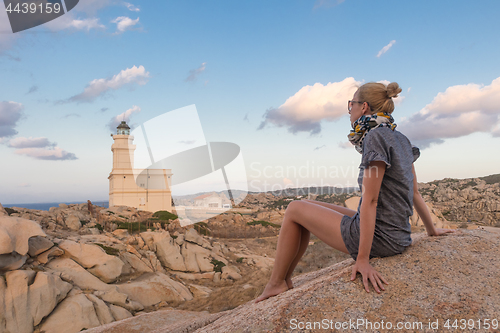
(368, 273)
(441, 232)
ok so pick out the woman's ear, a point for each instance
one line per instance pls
(365, 108)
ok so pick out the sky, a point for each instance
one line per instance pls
(272, 77)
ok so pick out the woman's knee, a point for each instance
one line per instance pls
(294, 206)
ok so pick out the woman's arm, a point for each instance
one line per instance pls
(372, 180)
(423, 211)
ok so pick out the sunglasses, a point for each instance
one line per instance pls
(350, 103)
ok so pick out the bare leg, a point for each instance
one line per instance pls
(340, 209)
(304, 242)
(321, 221)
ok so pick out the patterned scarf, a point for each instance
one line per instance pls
(366, 123)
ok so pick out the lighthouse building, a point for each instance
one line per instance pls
(147, 189)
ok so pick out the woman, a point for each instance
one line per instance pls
(380, 227)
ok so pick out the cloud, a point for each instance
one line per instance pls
(131, 7)
(71, 115)
(86, 24)
(194, 73)
(46, 154)
(346, 144)
(386, 48)
(459, 111)
(88, 8)
(104, 109)
(99, 87)
(304, 111)
(287, 181)
(246, 118)
(10, 113)
(124, 23)
(39, 148)
(70, 21)
(327, 3)
(32, 90)
(320, 147)
(22, 142)
(125, 116)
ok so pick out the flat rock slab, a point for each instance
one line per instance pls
(437, 278)
(149, 322)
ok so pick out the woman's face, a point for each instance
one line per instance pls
(356, 108)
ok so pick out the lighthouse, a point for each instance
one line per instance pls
(148, 189)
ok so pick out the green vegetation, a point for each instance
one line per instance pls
(264, 223)
(164, 215)
(99, 227)
(11, 211)
(131, 226)
(239, 260)
(280, 202)
(217, 265)
(108, 211)
(109, 250)
(446, 213)
(202, 228)
(152, 220)
(173, 236)
(491, 179)
(123, 217)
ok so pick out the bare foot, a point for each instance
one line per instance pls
(272, 290)
(289, 283)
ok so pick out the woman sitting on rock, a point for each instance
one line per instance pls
(380, 227)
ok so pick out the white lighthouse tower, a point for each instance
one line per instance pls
(147, 189)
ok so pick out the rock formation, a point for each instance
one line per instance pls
(70, 279)
(474, 200)
(435, 280)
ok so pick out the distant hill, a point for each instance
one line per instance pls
(491, 179)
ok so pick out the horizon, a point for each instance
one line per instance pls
(97, 202)
(271, 78)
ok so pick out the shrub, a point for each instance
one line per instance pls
(217, 265)
(164, 215)
(109, 250)
(202, 228)
(264, 223)
(132, 226)
(239, 260)
(446, 213)
(99, 227)
(463, 225)
(10, 211)
(123, 217)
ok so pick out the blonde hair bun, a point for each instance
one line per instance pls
(393, 90)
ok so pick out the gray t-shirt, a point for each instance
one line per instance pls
(395, 201)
